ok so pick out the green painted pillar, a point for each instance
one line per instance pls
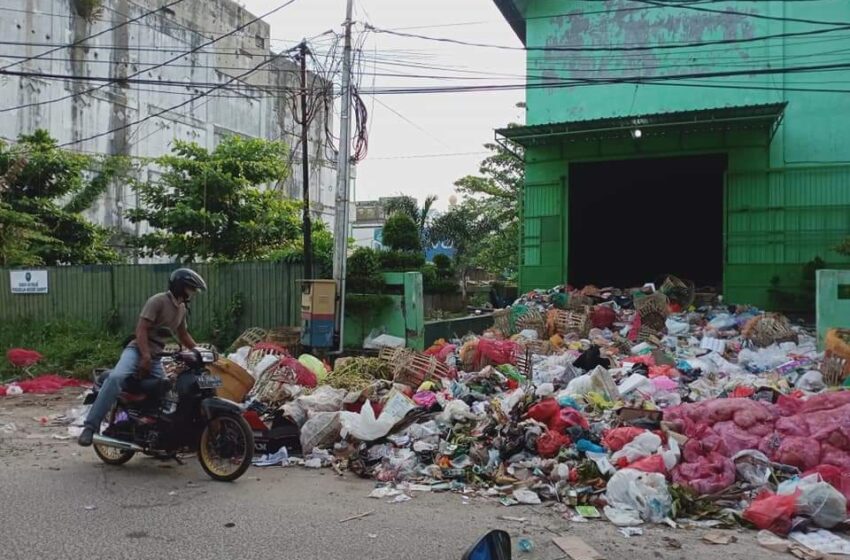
(833, 301)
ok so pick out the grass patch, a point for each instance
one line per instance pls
(69, 348)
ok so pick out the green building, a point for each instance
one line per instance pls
(710, 140)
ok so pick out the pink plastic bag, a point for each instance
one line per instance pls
(653, 463)
(707, 475)
(425, 399)
(772, 512)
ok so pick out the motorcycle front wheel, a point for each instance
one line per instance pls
(226, 447)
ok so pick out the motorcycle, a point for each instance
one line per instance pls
(162, 417)
(495, 545)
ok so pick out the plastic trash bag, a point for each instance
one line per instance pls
(819, 500)
(772, 512)
(617, 438)
(641, 446)
(364, 426)
(454, 411)
(550, 444)
(321, 430)
(752, 467)
(645, 493)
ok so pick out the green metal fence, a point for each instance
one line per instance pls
(268, 291)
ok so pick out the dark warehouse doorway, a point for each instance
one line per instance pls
(631, 221)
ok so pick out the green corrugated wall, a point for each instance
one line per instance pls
(269, 291)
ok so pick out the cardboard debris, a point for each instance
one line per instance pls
(577, 549)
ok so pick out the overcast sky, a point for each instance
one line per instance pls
(446, 123)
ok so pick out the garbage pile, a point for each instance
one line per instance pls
(636, 404)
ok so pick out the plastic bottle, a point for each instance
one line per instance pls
(525, 545)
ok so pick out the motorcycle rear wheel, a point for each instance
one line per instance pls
(112, 455)
(226, 447)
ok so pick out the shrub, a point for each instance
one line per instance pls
(401, 261)
(364, 272)
(402, 234)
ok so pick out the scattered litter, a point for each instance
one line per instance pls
(527, 497)
(577, 549)
(525, 545)
(358, 516)
(719, 537)
(590, 512)
(400, 499)
(89, 508)
(9, 428)
(631, 531)
(514, 519)
(384, 492)
(172, 493)
(230, 525)
(822, 541)
(279, 458)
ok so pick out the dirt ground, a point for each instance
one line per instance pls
(175, 510)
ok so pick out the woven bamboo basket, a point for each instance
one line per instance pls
(767, 329)
(624, 345)
(653, 304)
(395, 355)
(288, 337)
(834, 370)
(419, 369)
(532, 320)
(679, 290)
(578, 302)
(523, 362)
(502, 321)
(250, 337)
(573, 322)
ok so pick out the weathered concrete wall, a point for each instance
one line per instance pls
(255, 106)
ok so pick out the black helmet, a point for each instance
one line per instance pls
(183, 278)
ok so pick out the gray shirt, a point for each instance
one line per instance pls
(167, 316)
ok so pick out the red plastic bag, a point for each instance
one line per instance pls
(772, 512)
(46, 384)
(603, 317)
(550, 443)
(617, 438)
(21, 357)
(497, 352)
(653, 463)
(544, 411)
(566, 419)
(303, 376)
(708, 474)
(2, 391)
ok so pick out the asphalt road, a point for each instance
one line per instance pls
(58, 501)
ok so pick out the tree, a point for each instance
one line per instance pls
(401, 234)
(495, 194)
(464, 229)
(409, 206)
(208, 205)
(43, 192)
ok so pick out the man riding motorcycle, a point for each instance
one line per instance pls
(162, 315)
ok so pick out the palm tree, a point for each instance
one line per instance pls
(410, 206)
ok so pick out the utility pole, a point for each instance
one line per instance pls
(343, 179)
(305, 169)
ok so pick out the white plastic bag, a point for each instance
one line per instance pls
(644, 493)
(240, 357)
(578, 387)
(364, 426)
(454, 411)
(264, 364)
(821, 501)
(321, 430)
(642, 446)
(513, 399)
(753, 467)
(324, 399)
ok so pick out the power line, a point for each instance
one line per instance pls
(167, 62)
(657, 46)
(109, 30)
(163, 111)
(743, 14)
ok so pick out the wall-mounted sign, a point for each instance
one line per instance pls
(28, 281)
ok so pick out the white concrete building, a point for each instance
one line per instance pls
(257, 105)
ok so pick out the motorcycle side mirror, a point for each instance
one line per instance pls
(495, 545)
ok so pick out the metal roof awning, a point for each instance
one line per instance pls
(724, 119)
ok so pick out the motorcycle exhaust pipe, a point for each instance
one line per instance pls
(112, 442)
